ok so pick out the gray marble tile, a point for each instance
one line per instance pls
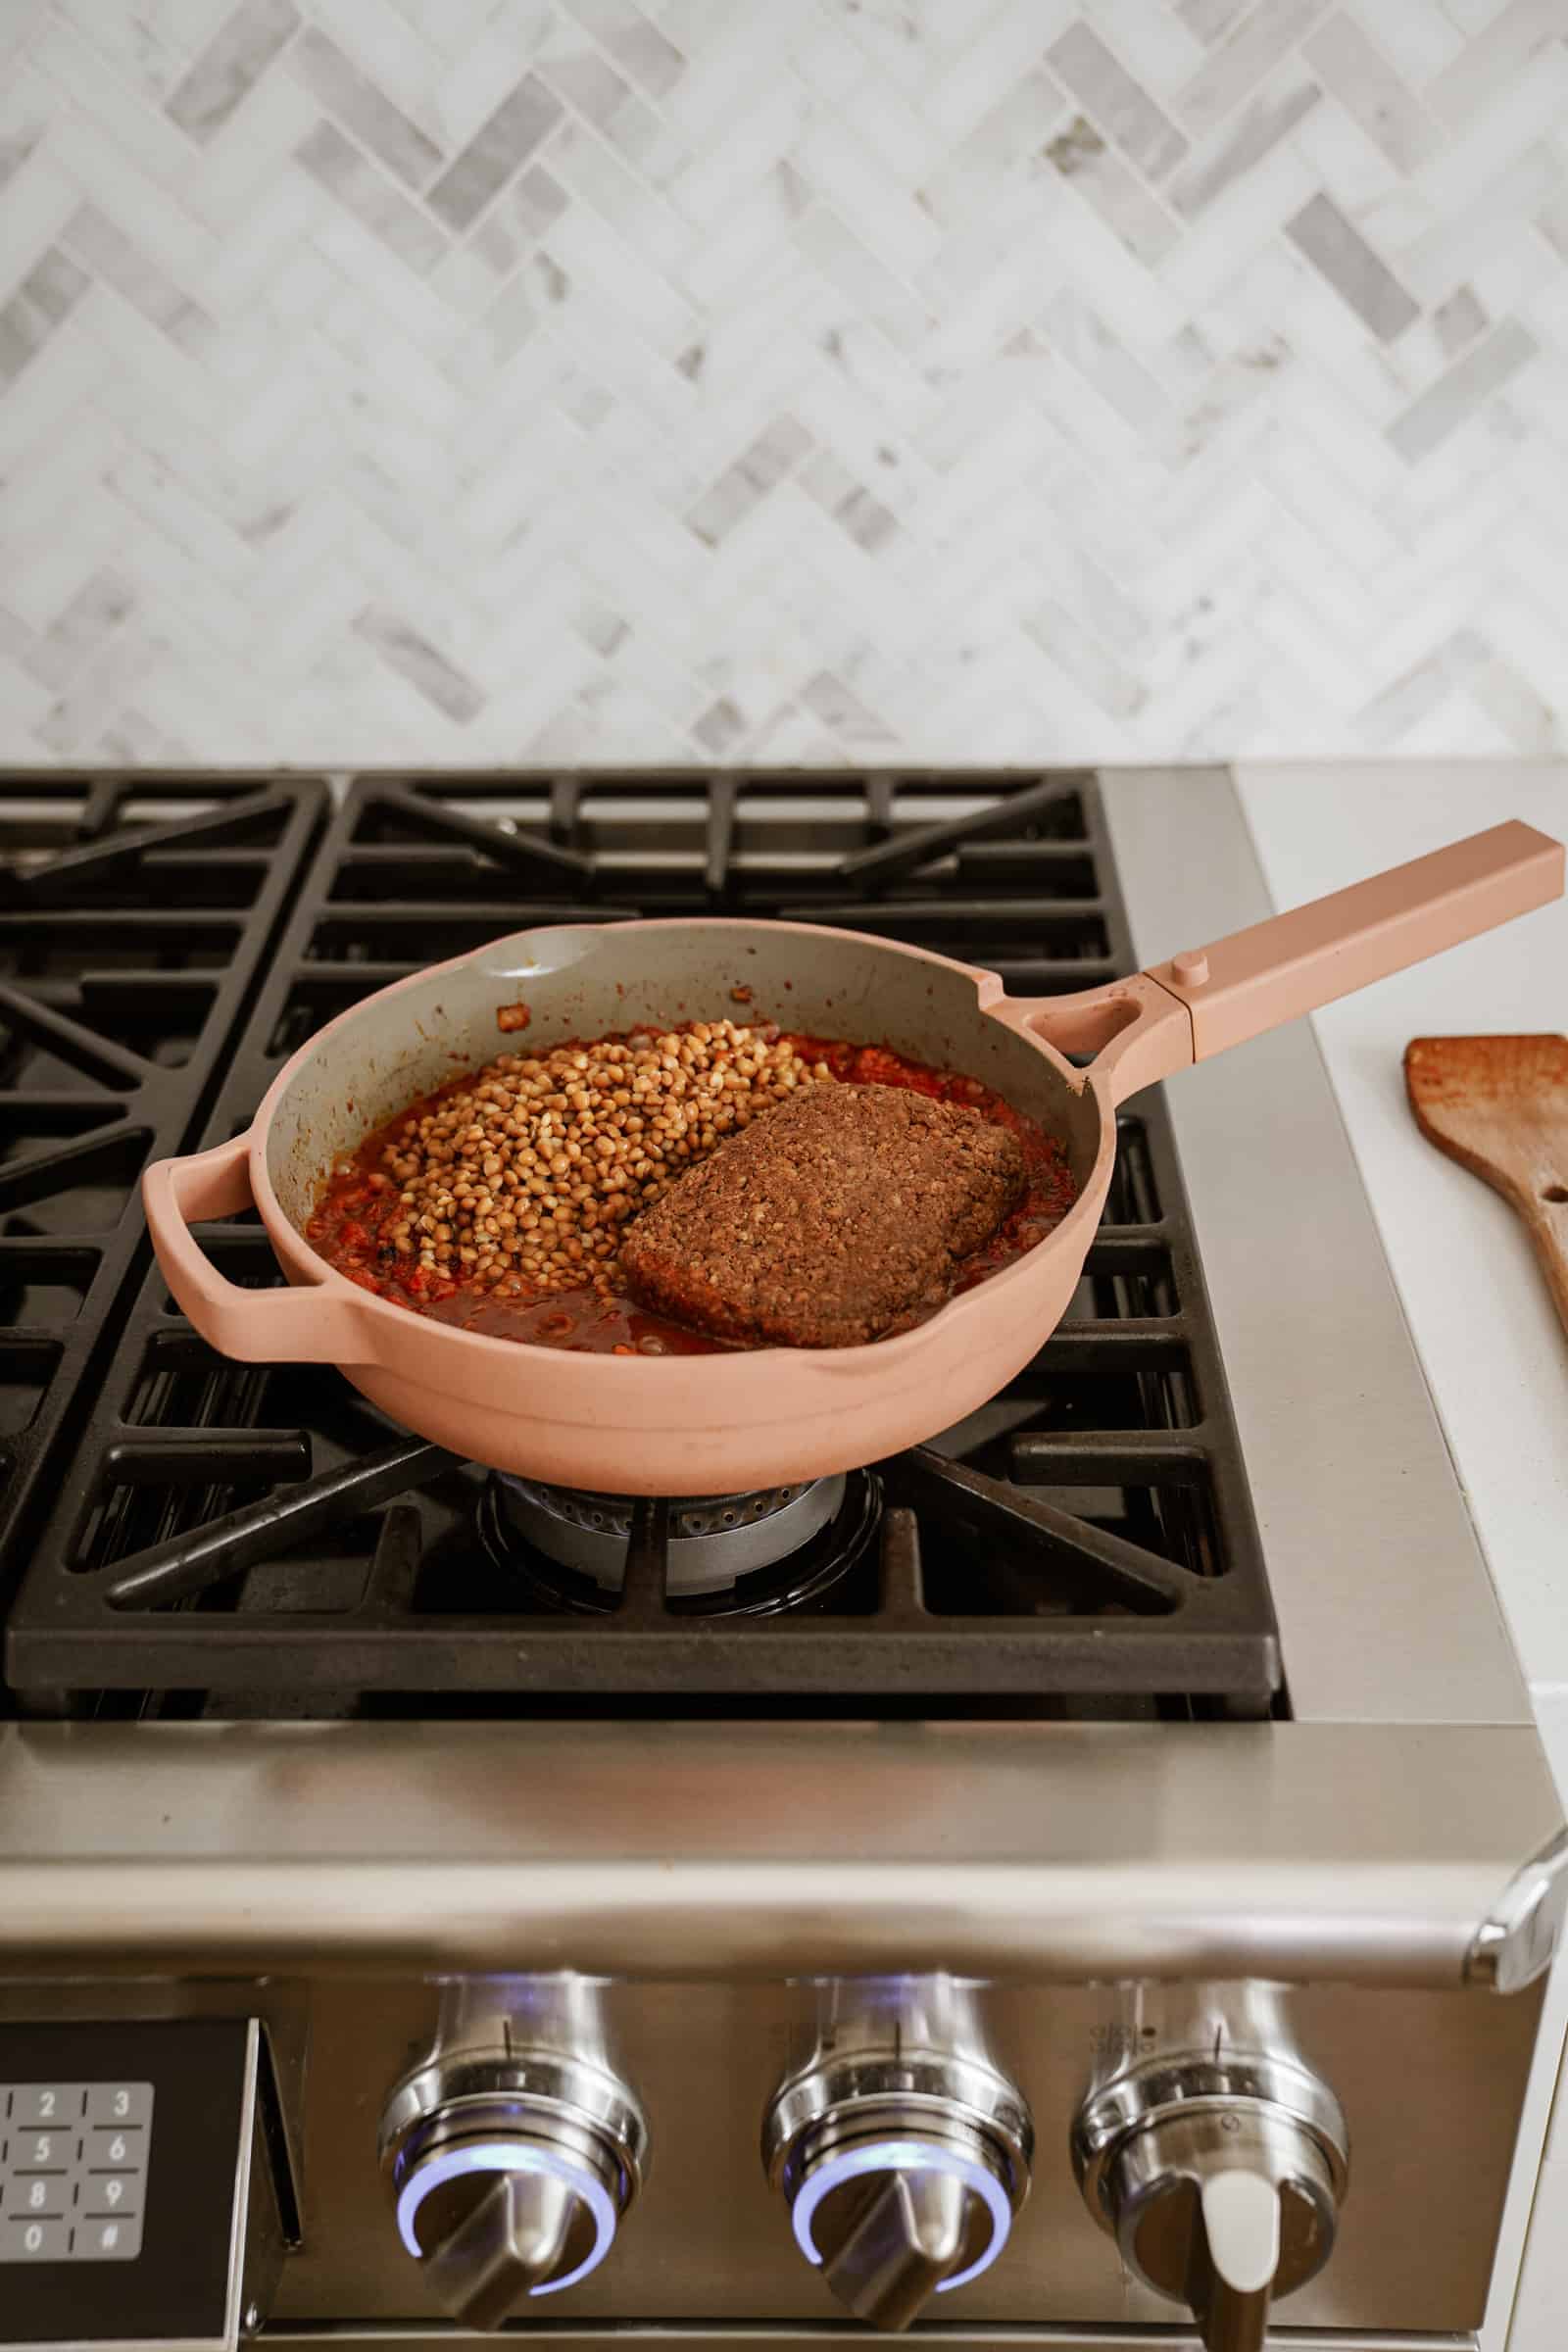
(529, 211)
(1268, 33)
(720, 728)
(494, 153)
(537, 201)
(637, 46)
(1358, 276)
(858, 511)
(588, 83)
(1461, 389)
(16, 146)
(840, 708)
(744, 485)
(1255, 130)
(1121, 108)
(361, 107)
(374, 203)
(605, 630)
(1552, 223)
(50, 289)
(426, 669)
(231, 64)
(1458, 321)
(1128, 209)
(132, 741)
(1356, 72)
(98, 608)
(112, 257)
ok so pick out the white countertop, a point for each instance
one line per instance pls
(1495, 1354)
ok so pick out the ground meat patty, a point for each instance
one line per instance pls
(828, 1221)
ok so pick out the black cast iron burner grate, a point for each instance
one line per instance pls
(257, 1539)
(135, 912)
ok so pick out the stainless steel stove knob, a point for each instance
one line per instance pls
(1221, 2181)
(899, 2189)
(510, 2175)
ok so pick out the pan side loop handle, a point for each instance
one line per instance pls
(1134, 1031)
(1261, 977)
(317, 1323)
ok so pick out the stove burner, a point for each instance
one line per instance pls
(785, 1548)
(714, 1539)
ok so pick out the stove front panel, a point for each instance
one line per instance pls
(1431, 2083)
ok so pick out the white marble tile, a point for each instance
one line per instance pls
(742, 158)
(386, 47)
(559, 269)
(1222, 242)
(1352, 67)
(1245, 139)
(1115, 194)
(1161, 47)
(1454, 250)
(1419, 38)
(1351, 166)
(979, 76)
(1259, 42)
(486, 61)
(1494, 59)
(39, 199)
(151, 47)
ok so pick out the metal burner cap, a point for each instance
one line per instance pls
(713, 1539)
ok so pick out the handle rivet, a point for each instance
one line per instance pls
(1190, 966)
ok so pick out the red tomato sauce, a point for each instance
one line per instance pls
(356, 1209)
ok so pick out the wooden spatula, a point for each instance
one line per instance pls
(1500, 1107)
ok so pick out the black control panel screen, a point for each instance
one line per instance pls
(120, 2152)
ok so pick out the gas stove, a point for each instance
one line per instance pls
(909, 1877)
(1084, 1543)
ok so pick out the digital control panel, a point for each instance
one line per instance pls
(132, 2198)
(73, 2162)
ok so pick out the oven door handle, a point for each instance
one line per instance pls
(1516, 1941)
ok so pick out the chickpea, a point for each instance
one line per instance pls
(520, 1181)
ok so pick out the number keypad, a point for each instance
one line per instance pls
(73, 2170)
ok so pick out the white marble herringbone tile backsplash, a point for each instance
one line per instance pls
(776, 380)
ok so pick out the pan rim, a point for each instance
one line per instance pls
(379, 1315)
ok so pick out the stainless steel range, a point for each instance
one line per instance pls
(1097, 1868)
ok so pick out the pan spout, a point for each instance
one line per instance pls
(534, 954)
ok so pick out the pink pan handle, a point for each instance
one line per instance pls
(1256, 979)
(1206, 998)
(314, 1324)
